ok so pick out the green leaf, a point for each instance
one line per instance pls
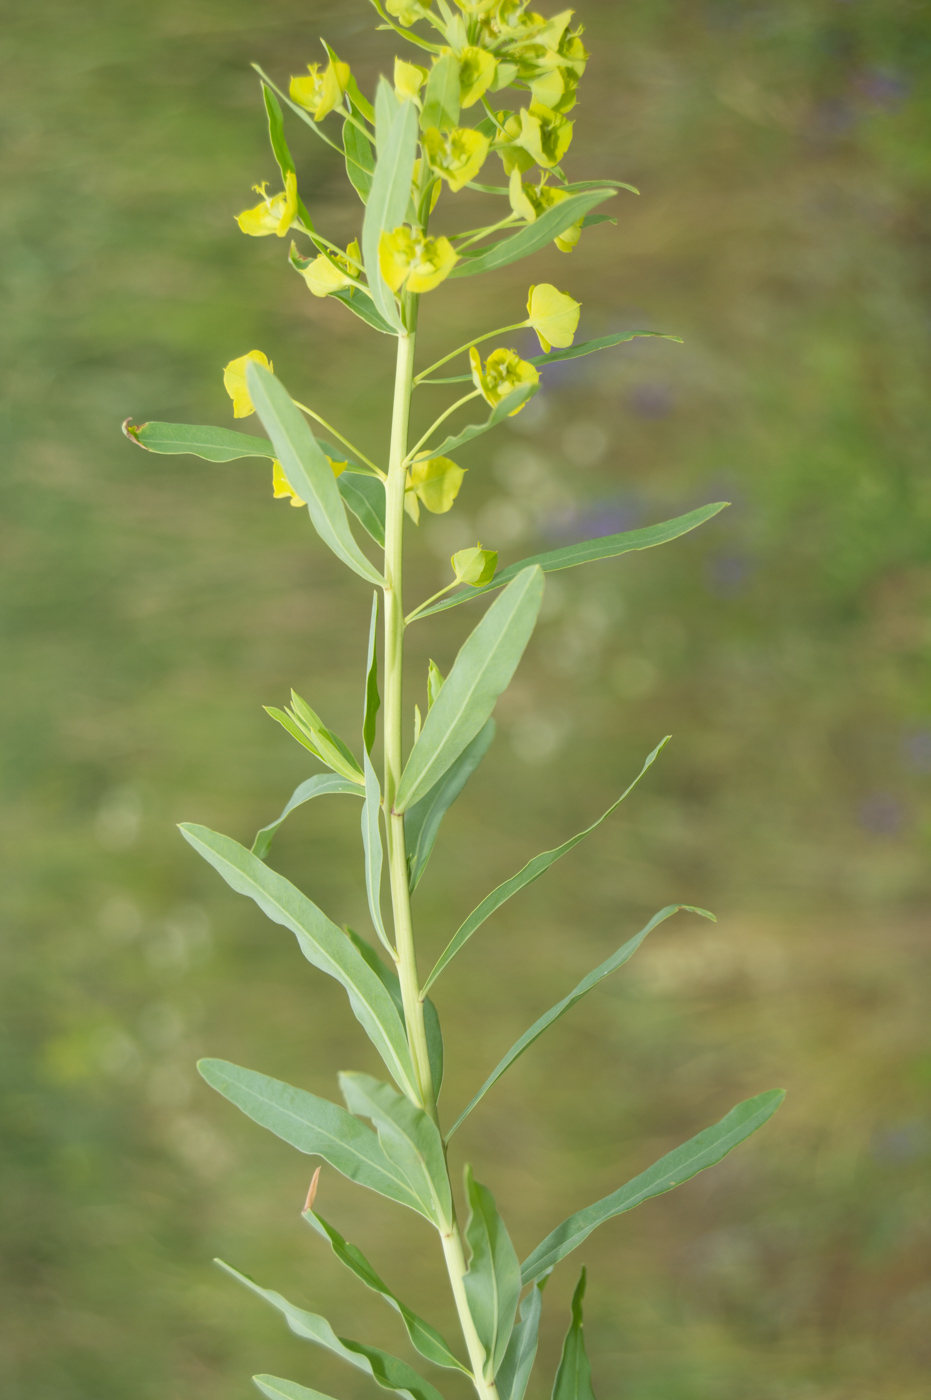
(386, 108)
(498, 414)
(306, 726)
(213, 444)
(314, 1126)
(441, 97)
(306, 467)
(485, 664)
(387, 1370)
(425, 1338)
(365, 497)
(603, 970)
(316, 786)
(703, 1150)
(277, 1389)
(422, 821)
(360, 158)
(276, 132)
(364, 307)
(321, 942)
(431, 1018)
(388, 199)
(572, 352)
(587, 551)
(492, 1283)
(534, 236)
(372, 697)
(372, 846)
(525, 876)
(409, 1137)
(574, 1376)
(514, 1372)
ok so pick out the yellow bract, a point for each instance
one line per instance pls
(477, 69)
(553, 315)
(330, 274)
(456, 155)
(409, 78)
(283, 488)
(435, 482)
(276, 212)
(544, 134)
(319, 92)
(234, 382)
(406, 12)
(530, 201)
(408, 258)
(475, 566)
(504, 372)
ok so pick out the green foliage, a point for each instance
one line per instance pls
(493, 1283)
(574, 1377)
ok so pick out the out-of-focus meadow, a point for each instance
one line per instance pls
(151, 606)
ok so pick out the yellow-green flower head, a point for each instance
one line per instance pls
(406, 12)
(504, 371)
(530, 201)
(553, 315)
(330, 274)
(475, 566)
(544, 134)
(409, 78)
(477, 71)
(282, 488)
(456, 155)
(408, 258)
(234, 382)
(435, 482)
(475, 9)
(276, 212)
(319, 92)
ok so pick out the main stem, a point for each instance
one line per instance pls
(397, 853)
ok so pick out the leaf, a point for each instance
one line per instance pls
(321, 942)
(485, 664)
(422, 821)
(441, 97)
(316, 786)
(372, 697)
(526, 876)
(431, 1017)
(386, 107)
(514, 1372)
(425, 1338)
(387, 1370)
(703, 1150)
(306, 467)
(588, 551)
(364, 307)
(360, 158)
(603, 970)
(388, 199)
(372, 846)
(534, 236)
(574, 1376)
(409, 1137)
(492, 1283)
(365, 497)
(498, 414)
(572, 352)
(314, 1126)
(213, 444)
(276, 132)
(277, 1389)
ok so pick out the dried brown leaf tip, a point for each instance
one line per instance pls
(312, 1192)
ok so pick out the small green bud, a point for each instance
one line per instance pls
(475, 566)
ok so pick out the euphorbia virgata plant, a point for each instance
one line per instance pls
(482, 104)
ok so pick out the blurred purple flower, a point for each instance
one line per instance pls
(608, 516)
(881, 814)
(726, 574)
(916, 750)
(881, 86)
(651, 400)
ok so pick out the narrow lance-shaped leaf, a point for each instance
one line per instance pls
(361, 304)
(388, 198)
(526, 876)
(424, 1337)
(441, 96)
(535, 236)
(360, 158)
(280, 150)
(422, 821)
(574, 1376)
(604, 969)
(391, 981)
(503, 410)
(514, 1371)
(410, 1138)
(703, 1150)
(275, 1388)
(389, 1372)
(317, 786)
(365, 497)
(314, 1126)
(372, 697)
(492, 1283)
(485, 664)
(572, 352)
(371, 811)
(587, 552)
(321, 942)
(306, 467)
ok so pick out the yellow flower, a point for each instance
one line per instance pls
(456, 155)
(330, 274)
(553, 315)
(234, 382)
(477, 69)
(409, 78)
(475, 566)
(434, 481)
(504, 372)
(276, 212)
(406, 12)
(408, 257)
(530, 201)
(320, 92)
(544, 134)
(283, 488)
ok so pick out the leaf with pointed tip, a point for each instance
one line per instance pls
(431, 1017)
(572, 352)
(316, 786)
(503, 410)
(389, 1372)
(372, 697)
(360, 158)
(492, 1283)
(321, 942)
(390, 194)
(362, 305)
(312, 1125)
(514, 1371)
(409, 1137)
(701, 1151)
(587, 552)
(533, 237)
(365, 497)
(603, 970)
(484, 666)
(526, 876)
(306, 467)
(441, 96)
(213, 444)
(574, 1377)
(277, 1389)
(425, 1338)
(422, 821)
(372, 846)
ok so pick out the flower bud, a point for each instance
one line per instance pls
(475, 566)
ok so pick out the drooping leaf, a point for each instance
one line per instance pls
(316, 786)
(389, 198)
(526, 876)
(514, 1371)
(321, 942)
(534, 236)
(574, 1376)
(389, 1372)
(409, 1137)
(422, 821)
(431, 1017)
(277, 1389)
(503, 410)
(485, 664)
(314, 1126)
(492, 1283)
(213, 444)
(424, 1337)
(572, 352)
(441, 97)
(360, 158)
(587, 552)
(703, 1150)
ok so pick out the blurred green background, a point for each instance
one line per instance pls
(151, 606)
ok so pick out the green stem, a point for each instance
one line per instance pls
(339, 437)
(502, 330)
(442, 419)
